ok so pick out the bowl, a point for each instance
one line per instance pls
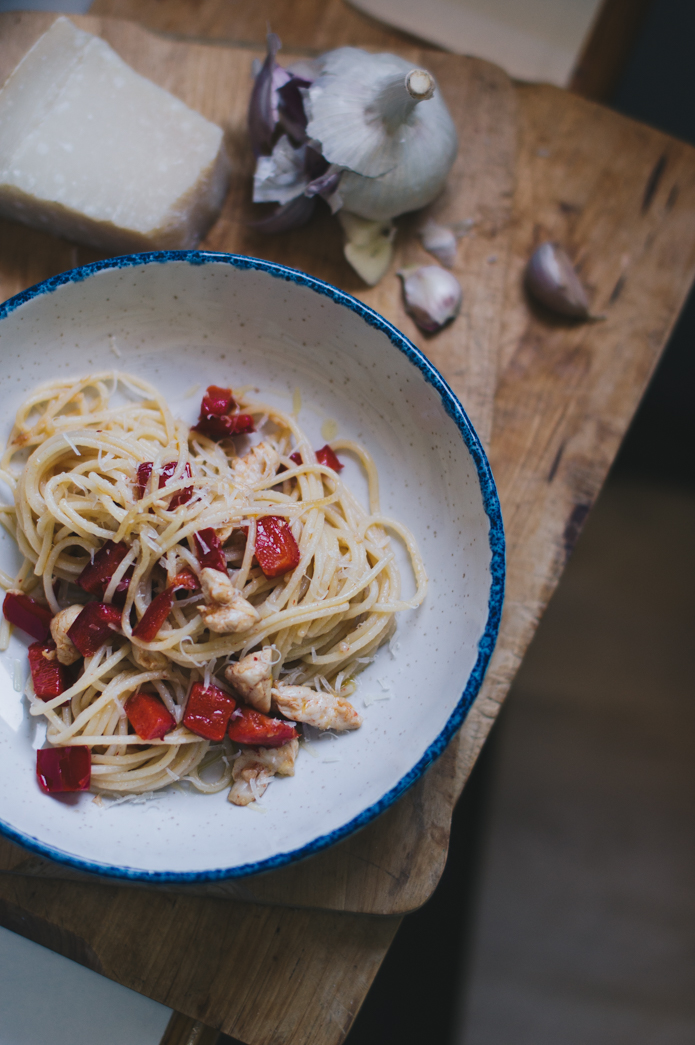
(182, 319)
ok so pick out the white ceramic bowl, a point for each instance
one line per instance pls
(184, 318)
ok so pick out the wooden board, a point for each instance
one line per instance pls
(394, 864)
(564, 400)
(273, 976)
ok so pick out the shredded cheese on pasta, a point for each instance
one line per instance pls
(72, 462)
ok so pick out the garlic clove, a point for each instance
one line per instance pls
(432, 296)
(440, 241)
(368, 246)
(552, 280)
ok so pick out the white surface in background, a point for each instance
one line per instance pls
(47, 998)
(66, 7)
(531, 39)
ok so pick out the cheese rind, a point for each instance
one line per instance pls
(94, 152)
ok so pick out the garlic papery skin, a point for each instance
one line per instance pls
(387, 125)
(281, 176)
(440, 241)
(432, 296)
(368, 246)
(551, 279)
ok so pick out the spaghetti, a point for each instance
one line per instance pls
(308, 580)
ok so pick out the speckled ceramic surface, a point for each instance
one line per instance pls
(184, 319)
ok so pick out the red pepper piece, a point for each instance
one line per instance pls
(247, 726)
(94, 626)
(217, 428)
(144, 473)
(180, 497)
(96, 575)
(296, 457)
(28, 614)
(47, 673)
(276, 549)
(148, 716)
(327, 457)
(208, 711)
(209, 550)
(64, 769)
(160, 607)
(186, 579)
(216, 401)
(216, 421)
(154, 616)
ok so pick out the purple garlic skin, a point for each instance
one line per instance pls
(432, 296)
(551, 279)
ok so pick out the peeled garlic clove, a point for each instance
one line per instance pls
(551, 279)
(432, 296)
(368, 246)
(440, 241)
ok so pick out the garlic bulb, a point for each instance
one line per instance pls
(432, 296)
(386, 125)
(368, 245)
(439, 240)
(551, 279)
(367, 132)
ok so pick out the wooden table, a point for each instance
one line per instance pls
(621, 197)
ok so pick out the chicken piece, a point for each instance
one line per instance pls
(225, 610)
(280, 759)
(252, 678)
(254, 769)
(148, 659)
(318, 709)
(60, 625)
(259, 463)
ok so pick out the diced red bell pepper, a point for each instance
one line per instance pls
(209, 550)
(159, 609)
(148, 716)
(48, 675)
(186, 579)
(154, 616)
(180, 497)
(247, 726)
(216, 420)
(64, 769)
(326, 456)
(217, 401)
(276, 549)
(96, 623)
(96, 575)
(208, 711)
(217, 428)
(144, 473)
(26, 613)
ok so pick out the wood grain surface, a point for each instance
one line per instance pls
(621, 197)
(392, 866)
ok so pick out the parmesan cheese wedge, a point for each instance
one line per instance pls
(94, 152)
